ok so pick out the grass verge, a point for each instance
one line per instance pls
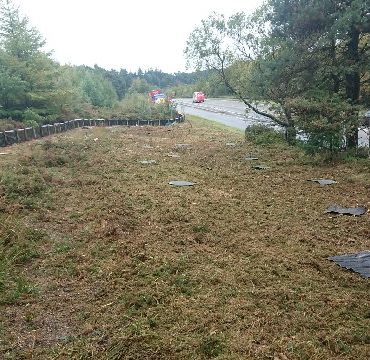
(124, 266)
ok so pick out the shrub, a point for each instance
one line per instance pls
(137, 106)
(325, 120)
(263, 135)
(31, 115)
(30, 123)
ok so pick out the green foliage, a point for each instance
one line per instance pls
(212, 86)
(181, 91)
(140, 86)
(324, 121)
(263, 135)
(18, 38)
(123, 81)
(137, 106)
(35, 89)
(32, 117)
(208, 82)
(230, 47)
(309, 49)
(12, 87)
(96, 89)
(337, 35)
(27, 74)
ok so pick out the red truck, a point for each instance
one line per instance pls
(198, 97)
(153, 93)
(157, 96)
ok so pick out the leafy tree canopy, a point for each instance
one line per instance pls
(289, 50)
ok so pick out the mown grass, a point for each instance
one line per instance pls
(120, 265)
(19, 245)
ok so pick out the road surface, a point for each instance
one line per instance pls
(232, 113)
(226, 111)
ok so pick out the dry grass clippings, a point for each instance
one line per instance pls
(101, 258)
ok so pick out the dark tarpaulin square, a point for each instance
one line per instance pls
(359, 262)
(356, 211)
(324, 181)
(260, 167)
(181, 183)
(183, 146)
(148, 162)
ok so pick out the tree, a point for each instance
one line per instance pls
(12, 86)
(140, 86)
(18, 38)
(290, 50)
(26, 72)
(121, 80)
(233, 49)
(98, 90)
(338, 32)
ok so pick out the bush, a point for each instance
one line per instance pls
(323, 142)
(11, 114)
(326, 121)
(30, 123)
(32, 116)
(137, 106)
(263, 135)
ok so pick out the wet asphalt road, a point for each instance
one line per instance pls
(228, 112)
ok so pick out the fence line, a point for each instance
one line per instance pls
(10, 137)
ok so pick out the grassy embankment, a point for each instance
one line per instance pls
(101, 258)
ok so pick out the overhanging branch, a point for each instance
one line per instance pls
(244, 100)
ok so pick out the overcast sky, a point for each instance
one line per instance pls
(125, 34)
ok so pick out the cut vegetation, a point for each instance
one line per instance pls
(100, 258)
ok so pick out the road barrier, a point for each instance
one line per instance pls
(15, 136)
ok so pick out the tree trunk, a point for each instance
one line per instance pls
(353, 84)
(334, 75)
(290, 130)
(290, 135)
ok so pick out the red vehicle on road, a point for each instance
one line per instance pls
(157, 96)
(153, 93)
(198, 97)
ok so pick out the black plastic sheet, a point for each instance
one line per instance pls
(148, 162)
(355, 211)
(181, 183)
(359, 262)
(260, 167)
(183, 146)
(324, 182)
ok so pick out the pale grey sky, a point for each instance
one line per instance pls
(124, 34)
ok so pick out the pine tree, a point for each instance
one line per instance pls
(26, 72)
(336, 36)
(17, 37)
